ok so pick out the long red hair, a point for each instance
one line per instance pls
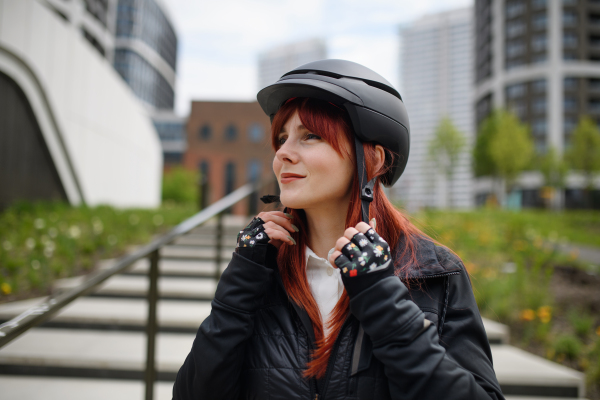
(331, 123)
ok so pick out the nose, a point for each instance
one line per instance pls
(287, 153)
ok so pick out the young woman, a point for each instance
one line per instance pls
(318, 304)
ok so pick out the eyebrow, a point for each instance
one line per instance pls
(299, 127)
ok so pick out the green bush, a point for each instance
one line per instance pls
(582, 323)
(568, 346)
(181, 186)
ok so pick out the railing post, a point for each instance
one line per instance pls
(152, 326)
(218, 246)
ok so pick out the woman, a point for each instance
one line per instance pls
(315, 303)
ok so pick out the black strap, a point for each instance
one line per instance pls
(366, 188)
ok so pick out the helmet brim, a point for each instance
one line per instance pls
(272, 97)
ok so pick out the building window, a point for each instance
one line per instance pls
(540, 21)
(514, 28)
(539, 86)
(514, 49)
(570, 104)
(594, 106)
(569, 125)
(594, 84)
(569, 2)
(515, 91)
(539, 3)
(205, 132)
(229, 177)
(570, 40)
(539, 42)
(514, 9)
(569, 56)
(539, 105)
(538, 58)
(570, 84)
(256, 132)
(569, 18)
(538, 127)
(231, 133)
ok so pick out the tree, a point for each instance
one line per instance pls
(444, 149)
(584, 154)
(503, 149)
(554, 169)
(180, 185)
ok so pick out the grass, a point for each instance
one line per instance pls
(512, 260)
(41, 242)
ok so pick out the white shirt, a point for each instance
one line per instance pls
(325, 283)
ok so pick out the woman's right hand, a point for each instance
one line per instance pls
(267, 229)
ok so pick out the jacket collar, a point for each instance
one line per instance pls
(433, 260)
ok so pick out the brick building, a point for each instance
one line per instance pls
(229, 143)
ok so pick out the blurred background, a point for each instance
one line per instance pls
(119, 119)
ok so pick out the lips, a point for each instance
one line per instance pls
(289, 177)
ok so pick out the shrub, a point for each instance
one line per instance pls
(568, 346)
(181, 186)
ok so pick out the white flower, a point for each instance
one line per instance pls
(361, 261)
(74, 231)
(52, 232)
(30, 243)
(377, 251)
(35, 264)
(349, 248)
(252, 242)
(158, 220)
(259, 236)
(365, 254)
(373, 266)
(39, 223)
(7, 245)
(381, 239)
(363, 242)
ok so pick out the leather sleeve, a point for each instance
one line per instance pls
(416, 364)
(212, 368)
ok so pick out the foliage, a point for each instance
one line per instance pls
(511, 147)
(445, 148)
(568, 346)
(483, 164)
(553, 167)
(180, 185)
(584, 154)
(44, 241)
(446, 145)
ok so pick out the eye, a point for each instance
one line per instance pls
(312, 136)
(281, 140)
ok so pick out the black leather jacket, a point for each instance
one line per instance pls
(426, 342)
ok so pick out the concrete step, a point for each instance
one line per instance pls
(131, 286)
(524, 374)
(113, 355)
(52, 388)
(497, 333)
(172, 267)
(181, 316)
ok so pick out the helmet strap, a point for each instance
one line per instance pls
(366, 188)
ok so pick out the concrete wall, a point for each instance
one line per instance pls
(99, 136)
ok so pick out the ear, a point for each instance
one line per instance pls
(380, 157)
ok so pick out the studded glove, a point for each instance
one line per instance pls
(364, 260)
(253, 242)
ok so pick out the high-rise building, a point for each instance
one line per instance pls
(436, 82)
(277, 61)
(541, 59)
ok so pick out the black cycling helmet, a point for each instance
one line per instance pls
(375, 108)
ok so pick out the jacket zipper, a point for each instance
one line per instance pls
(332, 357)
(436, 275)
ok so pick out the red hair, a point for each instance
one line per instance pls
(331, 123)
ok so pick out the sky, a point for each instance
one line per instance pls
(219, 41)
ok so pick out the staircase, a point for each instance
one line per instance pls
(95, 347)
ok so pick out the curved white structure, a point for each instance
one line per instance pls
(99, 136)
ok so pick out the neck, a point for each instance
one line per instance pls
(326, 224)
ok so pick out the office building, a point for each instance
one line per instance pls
(436, 82)
(541, 59)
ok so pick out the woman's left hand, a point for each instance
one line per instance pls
(361, 251)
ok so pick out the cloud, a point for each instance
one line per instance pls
(219, 41)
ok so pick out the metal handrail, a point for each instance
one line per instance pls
(34, 316)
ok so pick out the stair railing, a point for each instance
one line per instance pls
(36, 315)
